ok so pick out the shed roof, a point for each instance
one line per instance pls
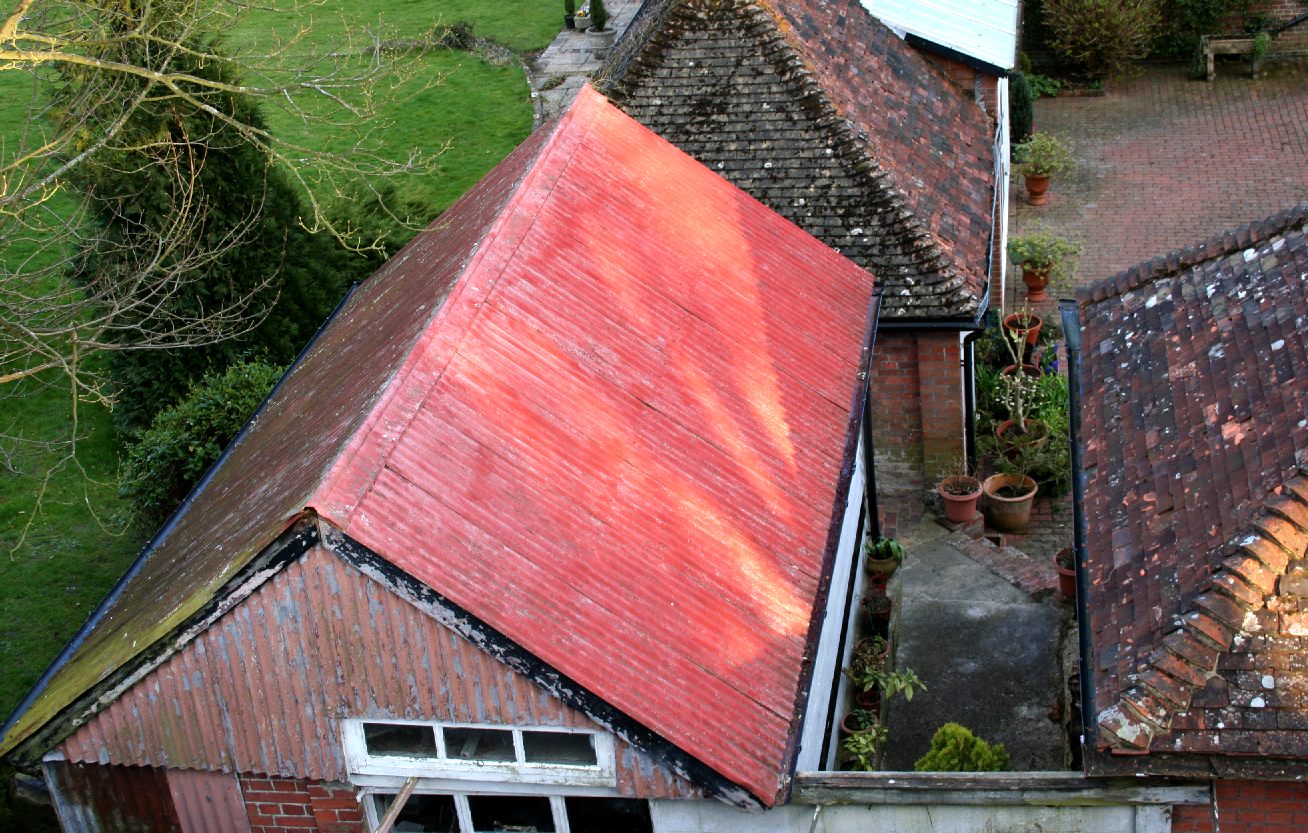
(982, 29)
(823, 113)
(1195, 442)
(604, 405)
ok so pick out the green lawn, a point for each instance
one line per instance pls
(68, 559)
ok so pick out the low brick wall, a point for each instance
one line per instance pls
(1248, 807)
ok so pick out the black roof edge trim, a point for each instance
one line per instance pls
(954, 55)
(848, 462)
(519, 659)
(298, 539)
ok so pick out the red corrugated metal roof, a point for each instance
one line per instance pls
(618, 439)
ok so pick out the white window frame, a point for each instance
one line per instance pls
(558, 808)
(359, 761)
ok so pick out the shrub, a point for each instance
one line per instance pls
(185, 439)
(1103, 37)
(1020, 110)
(955, 749)
(599, 16)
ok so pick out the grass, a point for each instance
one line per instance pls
(68, 560)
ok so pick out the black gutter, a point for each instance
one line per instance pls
(98, 614)
(954, 55)
(865, 384)
(1072, 335)
(1293, 23)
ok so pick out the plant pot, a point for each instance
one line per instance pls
(1028, 324)
(869, 700)
(1032, 370)
(877, 607)
(569, 21)
(878, 582)
(1036, 279)
(880, 565)
(1008, 501)
(1066, 575)
(601, 40)
(1037, 189)
(581, 22)
(1012, 447)
(959, 507)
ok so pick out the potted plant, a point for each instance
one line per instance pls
(1023, 325)
(884, 555)
(861, 748)
(1043, 257)
(959, 492)
(1009, 496)
(569, 14)
(877, 607)
(599, 28)
(1016, 388)
(1065, 564)
(582, 18)
(1039, 157)
(858, 720)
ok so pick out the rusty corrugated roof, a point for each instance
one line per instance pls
(614, 433)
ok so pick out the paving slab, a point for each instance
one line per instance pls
(989, 654)
(558, 73)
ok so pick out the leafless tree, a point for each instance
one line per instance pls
(107, 58)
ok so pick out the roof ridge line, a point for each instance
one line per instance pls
(1219, 245)
(1173, 671)
(855, 149)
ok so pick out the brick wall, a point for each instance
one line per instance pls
(1248, 807)
(289, 805)
(917, 412)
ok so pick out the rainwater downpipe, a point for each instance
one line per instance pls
(869, 455)
(1072, 335)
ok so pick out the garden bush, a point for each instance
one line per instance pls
(1103, 37)
(955, 749)
(185, 439)
(1021, 113)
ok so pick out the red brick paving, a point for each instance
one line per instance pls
(1166, 161)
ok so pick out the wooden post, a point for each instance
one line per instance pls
(397, 806)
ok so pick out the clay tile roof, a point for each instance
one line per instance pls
(820, 111)
(604, 406)
(1195, 442)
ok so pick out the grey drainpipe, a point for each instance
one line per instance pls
(94, 619)
(869, 452)
(1072, 334)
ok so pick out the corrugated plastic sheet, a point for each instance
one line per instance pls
(620, 444)
(264, 688)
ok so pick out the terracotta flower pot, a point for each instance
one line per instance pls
(959, 495)
(1008, 501)
(1037, 189)
(1066, 575)
(1028, 324)
(1036, 279)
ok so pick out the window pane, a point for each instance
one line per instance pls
(421, 813)
(399, 739)
(572, 748)
(608, 815)
(527, 814)
(479, 744)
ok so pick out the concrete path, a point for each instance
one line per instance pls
(989, 653)
(559, 72)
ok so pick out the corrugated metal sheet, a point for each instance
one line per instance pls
(632, 413)
(267, 478)
(111, 799)
(983, 29)
(262, 690)
(208, 802)
(617, 441)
